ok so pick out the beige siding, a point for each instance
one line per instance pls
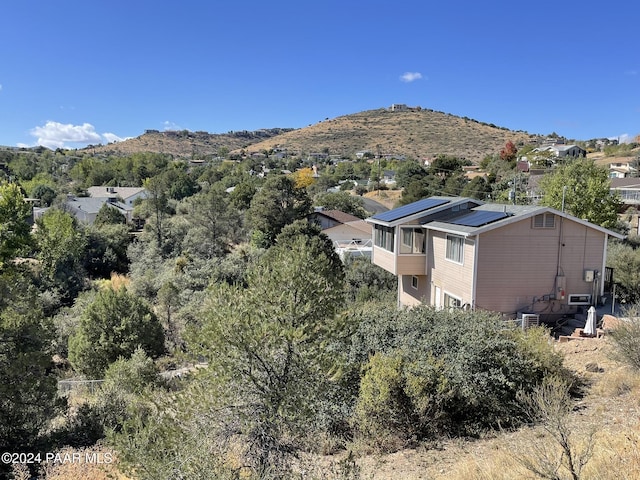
(385, 259)
(409, 296)
(346, 233)
(451, 277)
(517, 264)
(411, 264)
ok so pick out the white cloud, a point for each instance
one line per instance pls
(623, 138)
(409, 77)
(112, 137)
(171, 126)
(57, 135)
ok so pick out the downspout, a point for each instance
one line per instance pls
(604, 263)
(475, 272)
(560, 245)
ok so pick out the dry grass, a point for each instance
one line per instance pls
(420, 134)
(183, 144)
(116, 282)
(388, 198)
(96, 463)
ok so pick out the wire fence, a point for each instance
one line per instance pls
(65, 387)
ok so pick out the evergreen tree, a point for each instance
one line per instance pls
(113, 326)
(277, 204)
(14, 228)
(28, 389)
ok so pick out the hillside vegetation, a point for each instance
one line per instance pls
(185, 143)
(414, 134)
(417, 134)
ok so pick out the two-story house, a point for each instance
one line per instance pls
(461, 252)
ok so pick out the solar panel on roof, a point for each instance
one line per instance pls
(411, 209)
(478, 218)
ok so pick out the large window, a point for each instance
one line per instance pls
(452, 302)
(455, 248)
(413, 240)
(384, 237)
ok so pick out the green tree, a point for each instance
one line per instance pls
(266, 346)
(409, 171)
(60, 250)
(180, 183)
(446, 165)
(342, 201)
(113, 326)
(14, 228)
(28, 387)
(242, 195)
(478, 188)
(157, 205)
(106, 249)
(584, 187)
(109, 215)
(44, 193)
(277, 204)
(316, 241)
(214, 224)
(625, 261)
(367, 281)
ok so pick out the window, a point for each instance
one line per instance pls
(455, 248)
(414, 282)
(452, 302)
(384, 237)
(544, 220)
(413, 240)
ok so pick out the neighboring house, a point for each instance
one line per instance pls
(351, 239)
(330, 218)
(561, 151)
(459, 252)
(628, 189)
(622, 170)
(350, 235)
(128, 194)
(85, 209)
(388, 177)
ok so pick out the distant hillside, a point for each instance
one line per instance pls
(416, 133)
(184, 143)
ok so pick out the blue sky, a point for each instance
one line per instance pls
(74, 73)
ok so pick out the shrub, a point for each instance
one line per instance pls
(114, 325)
(626, 337)
(430, 372)
(383, 412)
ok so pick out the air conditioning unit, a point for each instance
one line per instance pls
(530, 320)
